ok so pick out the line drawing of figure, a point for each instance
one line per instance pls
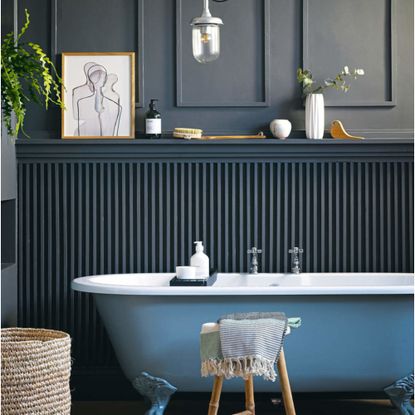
(82, 90)
(95, 104)
(114, 96)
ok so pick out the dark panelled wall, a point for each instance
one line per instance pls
(125, 217)
(84, 216)
(262, 46)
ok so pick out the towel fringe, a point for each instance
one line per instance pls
(240, 367)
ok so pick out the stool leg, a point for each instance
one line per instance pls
(249, 395)
(214, 399)
(285, 385)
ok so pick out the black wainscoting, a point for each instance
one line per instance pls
(137, 206)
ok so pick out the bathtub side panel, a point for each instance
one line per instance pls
(346, 343)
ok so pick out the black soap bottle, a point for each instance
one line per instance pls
(153, 121)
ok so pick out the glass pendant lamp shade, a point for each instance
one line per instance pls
(206, 42)
(206, 36)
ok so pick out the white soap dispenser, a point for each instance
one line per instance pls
(200, 260)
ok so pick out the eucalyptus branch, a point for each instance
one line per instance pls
(341, 82)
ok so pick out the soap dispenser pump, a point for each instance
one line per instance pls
(200, 260)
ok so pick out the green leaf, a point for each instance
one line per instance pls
(27, 75)
(305, 77)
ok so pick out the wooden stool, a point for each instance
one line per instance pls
(249, 391)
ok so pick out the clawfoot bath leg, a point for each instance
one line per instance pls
(401, 392)
(156, 390)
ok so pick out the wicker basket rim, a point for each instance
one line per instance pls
(55, 335)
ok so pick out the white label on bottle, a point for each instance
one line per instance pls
(153, 126)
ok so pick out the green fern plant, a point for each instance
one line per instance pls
(27, 75)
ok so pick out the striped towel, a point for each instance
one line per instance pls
(250, 344)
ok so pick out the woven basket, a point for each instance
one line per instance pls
(35, 372)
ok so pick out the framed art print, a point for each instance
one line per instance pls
(98, 95)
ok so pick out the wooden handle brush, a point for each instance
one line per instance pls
(196, 134)
(231, 137)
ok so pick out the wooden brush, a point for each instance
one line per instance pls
(187, 133)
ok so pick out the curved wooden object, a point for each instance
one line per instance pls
(337, 130)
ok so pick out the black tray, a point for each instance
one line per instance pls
(177, 282)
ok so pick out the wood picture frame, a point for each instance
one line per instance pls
(98, 92)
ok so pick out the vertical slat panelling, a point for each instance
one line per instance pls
(285, 217)
(21, 236)
(270, 217)
(396, 215)
(374, 217)
(77, 218)
(404, 212)
(366, 209)
(183, 242)
(218, 218)
(35, 245)
(323, 217)
(330, 217)
(242, 263)
(27, 312)
(410, 191)
(352, 220)
(381, 181)
(344, 225)
(40, 186)
(58, 232)
(49, 246)
(307, 218)
(389, 217)
(263, 218)
(315, 186)
(152, 213)
(66, 283)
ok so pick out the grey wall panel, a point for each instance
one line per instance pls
(96, 30)
(94, 217)
(95, 24)
(240, 78)
(362, 35)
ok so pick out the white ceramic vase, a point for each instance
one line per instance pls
(314, 116)
(280, 128)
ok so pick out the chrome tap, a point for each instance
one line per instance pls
(253, 269)
(296, 259)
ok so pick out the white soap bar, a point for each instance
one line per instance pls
(186, 272)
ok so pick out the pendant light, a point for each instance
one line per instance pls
(206, 36)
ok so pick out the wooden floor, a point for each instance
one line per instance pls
(188, 407)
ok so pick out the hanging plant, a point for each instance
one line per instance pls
(27, 75)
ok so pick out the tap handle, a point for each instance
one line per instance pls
(254, 250)
(296, 250)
